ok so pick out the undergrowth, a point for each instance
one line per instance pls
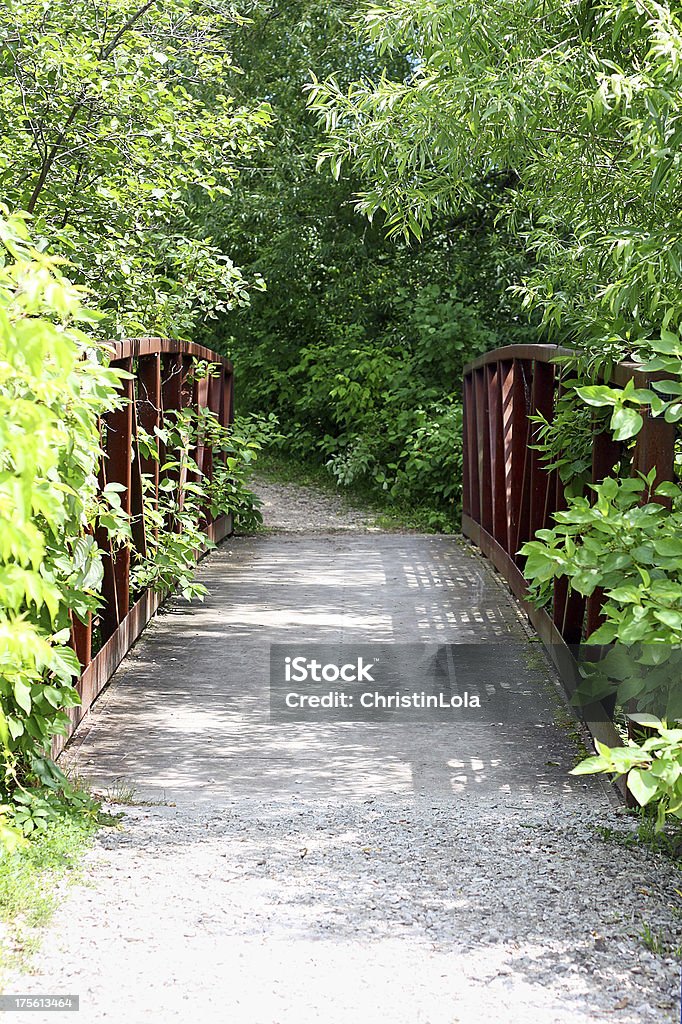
(30, 882)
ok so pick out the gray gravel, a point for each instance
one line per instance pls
(294, 509)
(410, 874)
(273, 912)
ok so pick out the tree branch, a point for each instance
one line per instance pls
(51, 156)
(106, 51)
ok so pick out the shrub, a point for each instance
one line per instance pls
(54, 385)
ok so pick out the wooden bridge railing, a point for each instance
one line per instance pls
(507, 494)
(162, 382)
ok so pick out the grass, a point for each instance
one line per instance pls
(657, 944)
(29, 880)
(121, 792)
(668, 842)
(281, 468)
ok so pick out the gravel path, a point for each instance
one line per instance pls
(296, 509)
(351, 872)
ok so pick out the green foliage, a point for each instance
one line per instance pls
(616, 524)
(631, 548)
(565, 442)
(240, 447)
(653, 767)
(563, 120)
(117, 119)
(358, 344)
(28, 877)
(54, 385)
(175, 524)
(664, 397)
(374, 420)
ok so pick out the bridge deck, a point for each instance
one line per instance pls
(274, 873)
(196, 685)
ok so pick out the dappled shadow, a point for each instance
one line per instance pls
(188, 712)
(376, 867)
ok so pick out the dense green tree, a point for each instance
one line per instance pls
(110, 114)
(359, 340)
(574, 108)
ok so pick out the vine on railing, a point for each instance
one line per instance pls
(172, 469)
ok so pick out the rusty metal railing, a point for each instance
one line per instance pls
(162, 382)
(507, 494)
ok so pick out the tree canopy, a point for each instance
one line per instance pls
(115, 118)
(570, 113)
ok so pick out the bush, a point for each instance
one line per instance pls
(53, 387)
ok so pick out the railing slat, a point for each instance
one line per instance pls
(471, 451)
(483, 435)
(508, 495)
(162, 383)
(496, 438)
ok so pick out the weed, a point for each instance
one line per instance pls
(652, 940)
(28, 881)
(121, 792)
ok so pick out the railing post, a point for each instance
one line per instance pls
(227, 406)
(149, 414)
(200, 401)
(473, 487)
(520, 442)
(655, 449)
(213, 401)
(513, 433)
(116, 468)
(466, 448)
(81, 639)
(485, 515)
(497, 468)
(542, 401)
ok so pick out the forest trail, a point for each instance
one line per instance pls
(402, 870)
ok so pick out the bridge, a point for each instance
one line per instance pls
(374, 869)
(508, 496)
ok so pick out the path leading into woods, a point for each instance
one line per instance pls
(343, 872)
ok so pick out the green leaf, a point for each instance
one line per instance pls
(642, 785)
(667, 344)
(626, 423)
(22, 695)
(668, 547)
(648, 720)
(667, 489)
(4, 729)
(592, 765)
(599, 395)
